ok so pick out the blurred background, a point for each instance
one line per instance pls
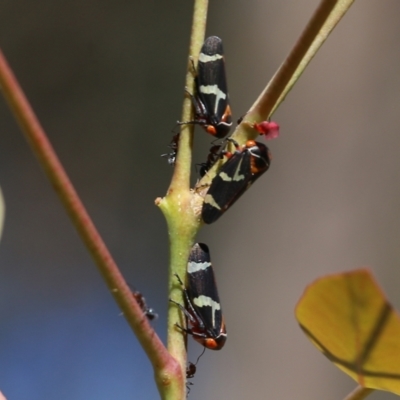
(106, 79)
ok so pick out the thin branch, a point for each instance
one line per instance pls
(2, 212)
(268, 98)
(48, 159)
(179, 205)
(181, 177)
(322, 22)
(359, 393)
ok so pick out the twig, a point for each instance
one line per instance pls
(179, 205)
(34, 133)
(2, 212)
(268, 98)
(359, 393)
(322, 22)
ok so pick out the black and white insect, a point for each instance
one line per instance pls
(202, 308)
(211, 102)
(148, 312)
(241, 170)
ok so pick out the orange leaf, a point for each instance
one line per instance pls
(348, 318)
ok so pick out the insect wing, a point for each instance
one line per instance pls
(211, 77)
(212, 88)
(234, 178)
(202, 289)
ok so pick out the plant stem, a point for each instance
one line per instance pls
(322, 22)
(359, 393)
(268, 98)
(181, 206)
(2, 212)
(34, 133)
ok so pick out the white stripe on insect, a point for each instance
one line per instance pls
(213, 89)
(196, 266)
(202, 301)
(209, 58)
(236, 177)
(210, 200)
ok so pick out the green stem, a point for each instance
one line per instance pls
(263, 106)
(181, 206)
(322, 22)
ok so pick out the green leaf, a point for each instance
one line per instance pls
(347, 317)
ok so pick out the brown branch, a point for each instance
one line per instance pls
(264, 104)
(359, 393)
(151, 343)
